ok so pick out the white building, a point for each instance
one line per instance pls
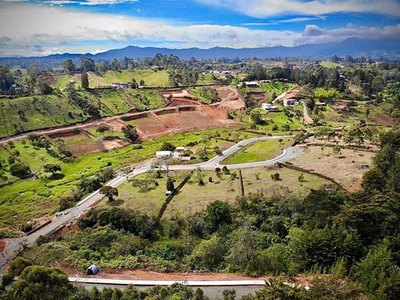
(162, 154)
(269, 107)
(290, 102)
(251, 83)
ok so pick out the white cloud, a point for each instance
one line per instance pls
(293, 20)
(314, 34)
(267, 8)
(28, 25)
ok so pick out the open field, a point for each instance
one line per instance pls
(193, 198)
(261, 150)
(276, 88)
(151, 78)
(37, 112)
(345, 168)
(329, 64)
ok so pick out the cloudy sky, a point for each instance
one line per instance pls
(33, 27)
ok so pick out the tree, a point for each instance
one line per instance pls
(218, 213)
(87, 64)
(130, 133)
(41, 283)
(167, 146)
(52, 168)
(142, 83)
(69, 66)
(102, 67)
(18, 265)
(103, 128)
(6, 79)
(170, 184)
(20, 170)
(109, 192)
(85, 80)
(134, 83)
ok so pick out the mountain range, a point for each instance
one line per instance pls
(388, 48)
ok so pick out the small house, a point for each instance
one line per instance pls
(269, 107)
(251, 83)
(290, 102)
(320, 104)
(180, 149)
(163, 154)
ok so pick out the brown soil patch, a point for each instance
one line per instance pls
(182, 101)
(82, 145)
(345, 168)
(233, 104)
(2, 245)
(382, 120)
(225, 92)
(137, 274)
(157, 125)
(258, 98)
(113, 144)
(116, 125)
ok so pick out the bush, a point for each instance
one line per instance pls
(20, 170)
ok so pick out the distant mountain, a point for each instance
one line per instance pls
(388, 48)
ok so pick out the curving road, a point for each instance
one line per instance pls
(71, 215)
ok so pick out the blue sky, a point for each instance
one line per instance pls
(32, 27)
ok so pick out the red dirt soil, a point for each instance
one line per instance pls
(137, 274)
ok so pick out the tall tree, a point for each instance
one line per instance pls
(69, 66)
(85, 80)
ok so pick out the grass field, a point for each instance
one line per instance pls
(37, 112)
(258, 151)
(145, 99)
(151, 78)
(276, 88)
(193, 198)
(329, 64)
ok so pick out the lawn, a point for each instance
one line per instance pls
(193, 197)
(258, 151)
(115, 100)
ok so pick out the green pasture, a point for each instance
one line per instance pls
(194, 197)
(276, 88)
(258, 151)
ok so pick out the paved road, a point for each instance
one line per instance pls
(71, 215)
(210, 291)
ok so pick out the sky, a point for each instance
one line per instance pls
(38, 28)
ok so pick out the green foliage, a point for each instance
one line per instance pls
(130, 133)
(109, 192)
(52, 168)
(373, 271)
(167, 146)
(218, 213)
(20, 170)
(42, 283)
(18, 265)
(170, 184)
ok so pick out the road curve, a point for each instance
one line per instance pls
(71, 215)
